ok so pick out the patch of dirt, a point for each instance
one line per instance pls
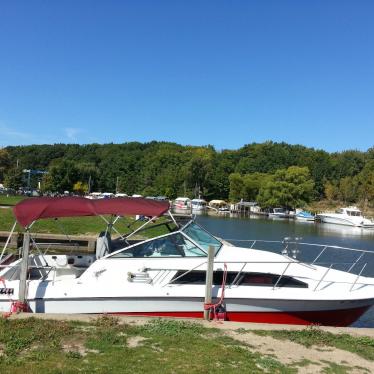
(77, 345)
(135, 341)
(290, 353)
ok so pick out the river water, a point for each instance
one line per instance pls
(238, 229)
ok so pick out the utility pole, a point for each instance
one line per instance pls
(89, 184)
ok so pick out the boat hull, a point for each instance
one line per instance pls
(343, 221)
(301, 312)
(336, 318)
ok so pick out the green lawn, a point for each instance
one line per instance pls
(10, 200)
(36, 346)
(43, 346)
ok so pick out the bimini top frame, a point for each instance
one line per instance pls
(30, 210)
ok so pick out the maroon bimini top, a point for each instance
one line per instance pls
(32, 209)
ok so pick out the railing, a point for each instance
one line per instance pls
(163, 273)
(290, 248)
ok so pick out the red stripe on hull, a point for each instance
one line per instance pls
(344, 317)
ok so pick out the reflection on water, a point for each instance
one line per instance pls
(233, 228)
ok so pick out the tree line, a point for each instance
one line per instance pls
(270, 173)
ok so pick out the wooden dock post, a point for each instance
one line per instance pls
(209, 281)
(22, 293)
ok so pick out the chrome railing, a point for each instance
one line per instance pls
(291, 248)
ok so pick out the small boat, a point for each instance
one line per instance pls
(304, 216)
(278, 213)
(165, 275)
(349, 216)
(182, 203)
(219, 206)
(198, 205)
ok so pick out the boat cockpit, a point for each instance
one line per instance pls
(180, 240)
(189, 241)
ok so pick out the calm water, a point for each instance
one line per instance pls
(243, 228)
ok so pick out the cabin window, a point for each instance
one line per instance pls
(202, 237)
(175, 245)
(353, 213)
(245, 279)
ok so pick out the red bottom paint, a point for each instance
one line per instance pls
(343, 317)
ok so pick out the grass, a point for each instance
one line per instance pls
(105, 346)
(313, 336)
(10, 200)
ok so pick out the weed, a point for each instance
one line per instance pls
(169, 327)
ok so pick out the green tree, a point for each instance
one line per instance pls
(348, 189)
(4, 163)
(14, 178)
(291, 188)
(331, 191)
(366, 184)
(236, 187)
(80, 188)
(62, 175)
(252, 185)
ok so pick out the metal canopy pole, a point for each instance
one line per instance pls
(22, 293)
(141, 227)
(8, 240)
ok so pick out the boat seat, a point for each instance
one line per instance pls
(103, 245)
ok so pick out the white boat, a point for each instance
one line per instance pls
(165, 275)
(198, 205)
(304, 216)
(278, 213)
(182, 203)
(349, 216)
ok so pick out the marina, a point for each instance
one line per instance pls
(268, 275)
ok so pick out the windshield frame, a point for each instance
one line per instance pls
(113, 254)
(203, 229)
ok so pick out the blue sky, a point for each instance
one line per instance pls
(225, 73)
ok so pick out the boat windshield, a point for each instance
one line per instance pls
(202, 237)
(172, 245)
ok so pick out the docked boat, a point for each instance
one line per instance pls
(182, 204)
(278, 213)
(304, 216)
(349, 216)
(219, 206)
(198, 205)
(165, 275)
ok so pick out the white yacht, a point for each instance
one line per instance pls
(350, 216)
(166, 275)
(198, 205)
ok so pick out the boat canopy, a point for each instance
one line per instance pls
(30, 210)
